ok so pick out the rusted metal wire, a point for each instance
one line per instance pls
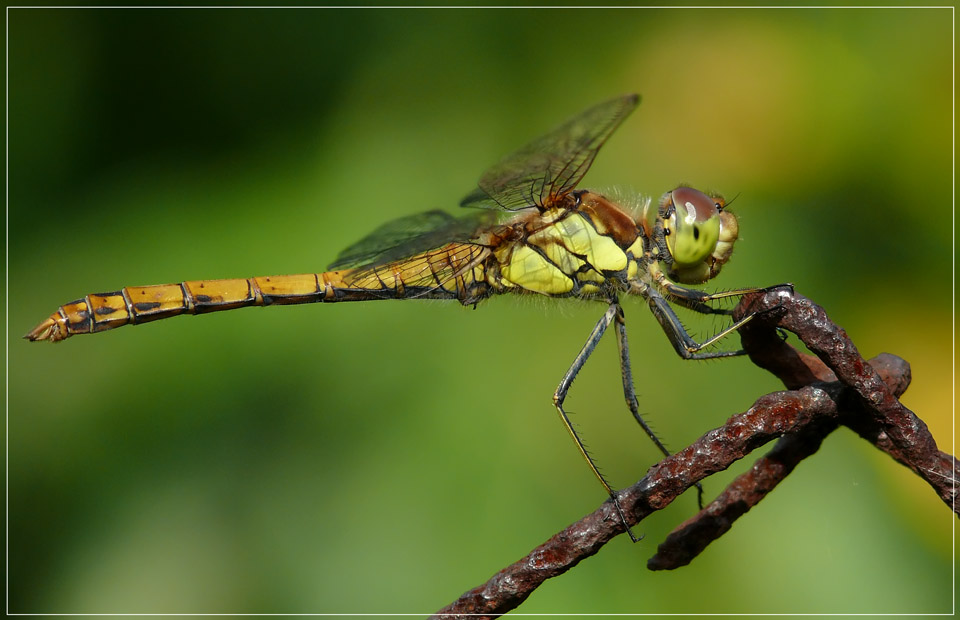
(872, 410)
(835, 387)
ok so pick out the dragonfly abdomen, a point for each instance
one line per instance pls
(133, 305)
(140, 304)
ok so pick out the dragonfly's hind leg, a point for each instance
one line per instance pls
(561, 394)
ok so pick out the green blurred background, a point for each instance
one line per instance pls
(387, 457)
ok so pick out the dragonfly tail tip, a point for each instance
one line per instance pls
(48, 330)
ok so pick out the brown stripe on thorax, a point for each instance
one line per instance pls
(609, 219)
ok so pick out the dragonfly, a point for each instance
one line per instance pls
(529, 231)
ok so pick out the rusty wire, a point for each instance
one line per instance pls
(833, 388)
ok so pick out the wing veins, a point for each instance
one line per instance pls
(551, 166)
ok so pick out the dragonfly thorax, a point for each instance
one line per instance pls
(575, 249)
(693, 234)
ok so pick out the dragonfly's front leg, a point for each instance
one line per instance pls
(698, 300)
(682, 342)
(560, 395)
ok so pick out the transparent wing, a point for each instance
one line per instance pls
(448, 268)
(549, 168)
(410, 235)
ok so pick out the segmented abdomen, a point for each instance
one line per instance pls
(454, 271)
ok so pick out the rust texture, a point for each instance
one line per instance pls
(872, 410)
(834, 387)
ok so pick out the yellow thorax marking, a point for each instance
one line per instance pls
(561, 244)
(580, 237)
(528, 269)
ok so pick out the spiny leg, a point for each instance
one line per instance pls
(626, 373)
(679, 294)
(630, 394)
(561, 394)
(698, 300)
(682, 342)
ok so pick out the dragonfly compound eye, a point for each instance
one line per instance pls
(694, 225)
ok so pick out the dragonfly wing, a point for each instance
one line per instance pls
(542, 172)
(446, 272)
(407, 236)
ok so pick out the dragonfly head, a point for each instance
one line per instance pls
(698, 233)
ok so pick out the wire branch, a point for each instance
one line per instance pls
(835, 387)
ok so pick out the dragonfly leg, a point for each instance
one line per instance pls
(685, 345)
(561, 394)
(630, 394)
(697, 300)
(678, 293)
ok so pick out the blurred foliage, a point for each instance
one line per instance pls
(387, 457)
